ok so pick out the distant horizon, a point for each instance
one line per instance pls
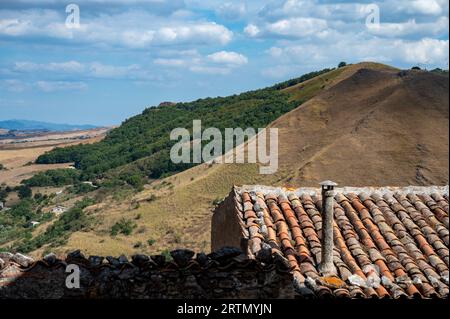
(27, 121)
(99, 125)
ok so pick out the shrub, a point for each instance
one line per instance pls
(124, 226)
(136, 181)
(167, 255)
(135, 205)
(151, 242)
(25, 192)
(3, 194)
(81, 188)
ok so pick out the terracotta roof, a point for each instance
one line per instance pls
(389, 242)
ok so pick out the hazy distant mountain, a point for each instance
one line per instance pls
(25, 125)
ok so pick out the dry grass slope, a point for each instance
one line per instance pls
(377, 127)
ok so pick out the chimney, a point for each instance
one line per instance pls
(326, 266)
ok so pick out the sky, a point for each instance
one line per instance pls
(126, 55)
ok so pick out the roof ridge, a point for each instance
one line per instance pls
(402, 190)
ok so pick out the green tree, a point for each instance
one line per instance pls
(57, 177)
(25, 192)
(3, 194)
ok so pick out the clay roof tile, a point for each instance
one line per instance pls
(394, 241)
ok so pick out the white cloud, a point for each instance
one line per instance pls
(426, 51)
(431, 52)
(202, 33)
(306, 18)
(33, 23)
(278, 10)
(312, 33)
(297, 27)
(170, 62)
(220, 63)
(69, 67)
(431, 7)
(83, 70)
(228, 58)
(209, 70)
(110, 72)
(252, 30)
(157, 7)
(129, 29)
(393, 30)
(232, 11)
(53, 86)
(86, 2)
(290, 28)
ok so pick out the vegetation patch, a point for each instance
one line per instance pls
(140, 148)
(56, 234)
(124, 227)
(56, 177)
(82, 188)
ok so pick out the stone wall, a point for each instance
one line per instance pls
(227, 229)
(223, 274)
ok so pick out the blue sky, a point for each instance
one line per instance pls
(129, 55)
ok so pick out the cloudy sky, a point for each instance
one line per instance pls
(130, 54)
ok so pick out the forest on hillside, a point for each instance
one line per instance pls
(145, 137)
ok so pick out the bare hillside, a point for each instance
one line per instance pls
(377, 127)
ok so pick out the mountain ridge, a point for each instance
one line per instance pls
(29, 125)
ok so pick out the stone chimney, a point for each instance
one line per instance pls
(326, 266)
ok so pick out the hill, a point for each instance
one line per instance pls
(377, 127)
(120, 163)
(362, 125)
(371, 125)
(25, 125)
(143, 141)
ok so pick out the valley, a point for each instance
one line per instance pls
(336, 128)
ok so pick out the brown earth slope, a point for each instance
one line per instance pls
(375, 128)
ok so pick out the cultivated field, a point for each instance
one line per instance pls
(18, 155)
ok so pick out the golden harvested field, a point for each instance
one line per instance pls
(17, 157)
